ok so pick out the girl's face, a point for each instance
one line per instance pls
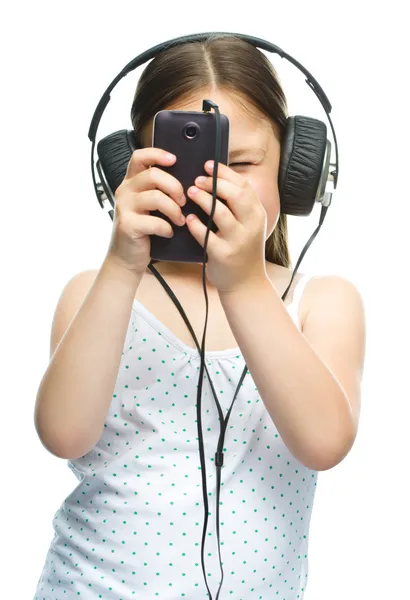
(253, 140)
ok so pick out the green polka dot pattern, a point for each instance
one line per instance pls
(132, 527)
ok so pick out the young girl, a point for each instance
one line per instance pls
(118, 398)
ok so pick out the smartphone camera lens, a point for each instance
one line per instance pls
(191, 131)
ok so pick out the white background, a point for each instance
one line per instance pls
(57, 60)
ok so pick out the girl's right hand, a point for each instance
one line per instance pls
(144, 188)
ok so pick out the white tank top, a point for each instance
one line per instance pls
(132, 527)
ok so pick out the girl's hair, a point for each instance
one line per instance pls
(231, 64)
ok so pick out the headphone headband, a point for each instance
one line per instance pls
(200, 37)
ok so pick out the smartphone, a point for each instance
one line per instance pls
(191, 136)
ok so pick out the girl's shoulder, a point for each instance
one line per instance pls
(318, 294)
(330, 300)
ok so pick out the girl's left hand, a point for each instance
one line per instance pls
(236, 253)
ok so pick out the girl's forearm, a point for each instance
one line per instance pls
(305, 401)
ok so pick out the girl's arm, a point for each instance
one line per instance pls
(310, 380)
(76, 390)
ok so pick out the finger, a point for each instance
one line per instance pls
(223, 217)
(156, 178)
(198, 231)
(224, 172)
(147, 225)
(143, 158)
(239, 198)
(152, 200)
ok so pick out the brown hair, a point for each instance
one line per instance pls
(226, 62)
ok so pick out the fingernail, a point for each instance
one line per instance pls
(200, 179)
(169, 156)
(182, 200)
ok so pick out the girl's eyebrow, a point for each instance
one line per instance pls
(257, 152)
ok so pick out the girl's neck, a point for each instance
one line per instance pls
(189, 271)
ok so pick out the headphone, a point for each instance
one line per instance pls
(304, 173)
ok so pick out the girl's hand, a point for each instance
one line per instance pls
(236, 253)
(145, 188)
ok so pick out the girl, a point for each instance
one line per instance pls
(118, 397)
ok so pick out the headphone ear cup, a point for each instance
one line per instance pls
(303, 153)
(114, 153)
